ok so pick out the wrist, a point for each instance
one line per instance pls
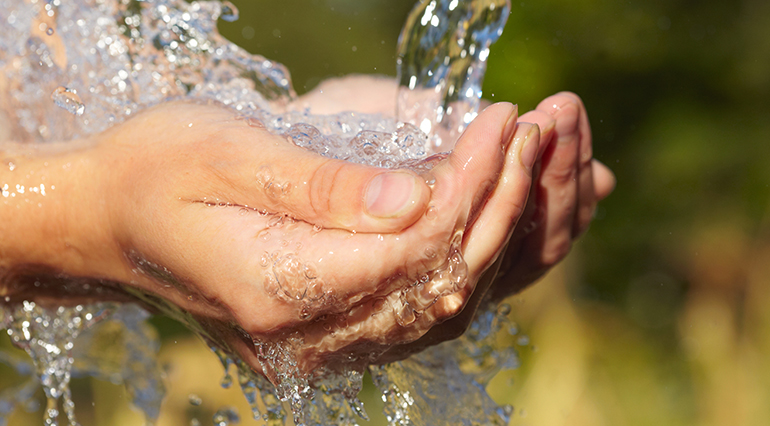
(53, 212)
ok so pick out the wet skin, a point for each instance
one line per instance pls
(181, 204)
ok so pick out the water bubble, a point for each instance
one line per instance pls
(523, 340)
(49, 31)
(229, 12)
(69, 100)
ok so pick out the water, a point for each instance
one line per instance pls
(107, 341)
(98, 62)
(442, 57)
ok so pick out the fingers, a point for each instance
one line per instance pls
(604, 180)
(506, 204)
(558, 189)
(586, 195)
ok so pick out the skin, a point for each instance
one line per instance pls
(190, 209)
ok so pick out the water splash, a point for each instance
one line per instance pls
(442, 58)
(415, 390)
(68, 342)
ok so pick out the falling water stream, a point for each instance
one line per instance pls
(123, 56)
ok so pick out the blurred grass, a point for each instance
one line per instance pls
(659, 317)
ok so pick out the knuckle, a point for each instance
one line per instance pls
(560, 173)
(321, 186)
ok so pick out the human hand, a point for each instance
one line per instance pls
(559, 209)
(568, 184)
(191, 211)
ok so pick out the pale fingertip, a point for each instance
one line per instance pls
(604, 179)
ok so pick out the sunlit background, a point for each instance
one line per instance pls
(661, 315)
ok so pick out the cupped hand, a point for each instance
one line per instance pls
(259, 240)
(516, 238)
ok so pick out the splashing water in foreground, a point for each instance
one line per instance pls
(123, 56)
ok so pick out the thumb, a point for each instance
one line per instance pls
(331, 193)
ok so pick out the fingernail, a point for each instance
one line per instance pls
(530, 143)
(392, 194)
(510, 126)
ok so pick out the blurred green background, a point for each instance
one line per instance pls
(661, 315)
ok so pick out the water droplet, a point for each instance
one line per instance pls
(276, 221)
(430, 252)
(504, 309)
(69, 100)
(404, 313)
(264, 235)
(253, 122)
(305, 313)
(194, 399)
(508, 410)
(431, 213)
(264, 261)
(229, 12)
(227, 381)
(226, 416)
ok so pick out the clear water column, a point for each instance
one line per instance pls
(442, 57)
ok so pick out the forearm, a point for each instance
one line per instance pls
(52, 212)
